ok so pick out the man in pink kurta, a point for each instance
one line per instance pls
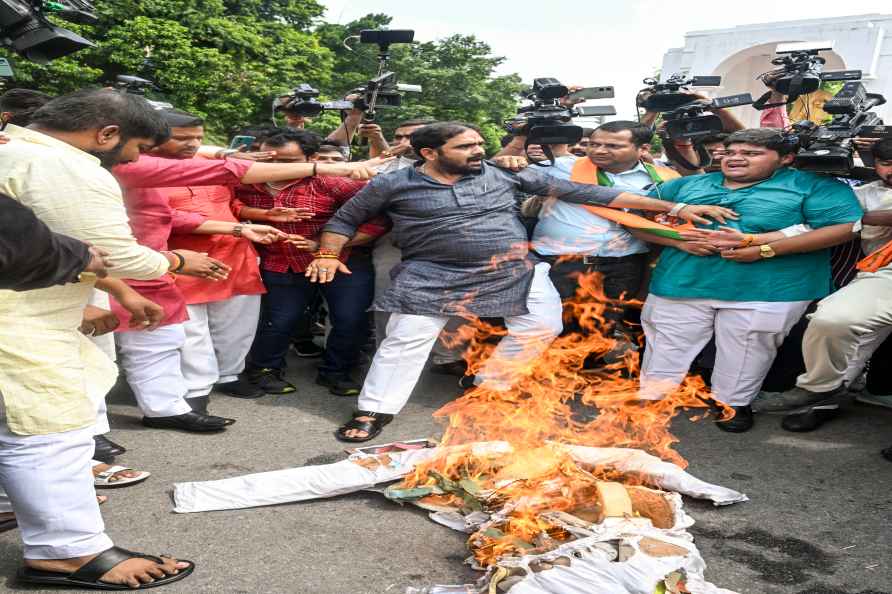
(222, 315)
(153, 360)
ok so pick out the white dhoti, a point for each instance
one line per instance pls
(747, 336)
(400, 359)
(218, 337)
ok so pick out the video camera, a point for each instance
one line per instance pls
(829, 148)
(687, 117)
(547, 121)
(136, 85)
(381, 91)
(801, 72)
(25, 28)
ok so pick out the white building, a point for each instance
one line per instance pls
(740, 54)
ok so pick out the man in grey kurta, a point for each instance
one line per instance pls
(464, 247)
(464, 253)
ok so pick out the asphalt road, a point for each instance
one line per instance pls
(818, 521)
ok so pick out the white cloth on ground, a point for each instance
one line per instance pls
(747, 335)
(400, 359)
(152, 363)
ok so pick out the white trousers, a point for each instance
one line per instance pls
(152, 362)
(49, 482)
(218, 337)
(846, 329)
(385, 256)
(747, 336)
(400, 359)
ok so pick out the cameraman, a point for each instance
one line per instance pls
(351, 123)
(850, 324)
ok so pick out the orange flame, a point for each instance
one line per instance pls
(548, 403)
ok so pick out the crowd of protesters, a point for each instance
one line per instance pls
(127, 242)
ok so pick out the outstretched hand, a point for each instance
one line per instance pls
(697, 213)
(323, 270)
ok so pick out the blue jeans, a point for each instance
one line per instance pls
(288, 294)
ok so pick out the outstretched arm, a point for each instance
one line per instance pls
(539, 184)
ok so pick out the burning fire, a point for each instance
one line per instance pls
(551, 403)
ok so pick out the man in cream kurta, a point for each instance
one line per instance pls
(51, 376)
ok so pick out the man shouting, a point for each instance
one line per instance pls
(464, 253)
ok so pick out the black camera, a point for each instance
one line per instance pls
(687, 117)
(669, 95)
(383, 90)
(136, 85)
(25, 28)
(546, 121)
(302, 101)
(696, 119)
(801, 72)
(829, 148)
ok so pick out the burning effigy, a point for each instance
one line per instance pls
(566, 483)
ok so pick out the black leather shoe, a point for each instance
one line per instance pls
(466, 382)
(740, 423)
(887, 453)
(191, 421)
(105, 449)
(811, 418)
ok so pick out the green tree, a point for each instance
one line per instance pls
(457, 76)
(223, 59)
(227, 59)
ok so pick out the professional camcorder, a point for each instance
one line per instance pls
(136, 85)
(25, 28)
(547, 121)
(687, 117)
(801, 72)
(381, 91)
(829, 148)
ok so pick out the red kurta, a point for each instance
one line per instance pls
(213, 203)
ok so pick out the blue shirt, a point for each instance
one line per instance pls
(789, 197)
(565, 228)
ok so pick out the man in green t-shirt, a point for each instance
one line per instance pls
(749, 296)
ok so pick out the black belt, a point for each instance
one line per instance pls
(587, 260)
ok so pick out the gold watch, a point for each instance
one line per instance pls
(766, 252)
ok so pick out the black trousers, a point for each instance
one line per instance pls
(621, 276)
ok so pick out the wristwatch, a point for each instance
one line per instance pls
(766, 252)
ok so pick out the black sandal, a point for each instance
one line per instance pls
(87, 577)
(372, 428)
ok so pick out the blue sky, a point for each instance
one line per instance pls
(591, 42)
